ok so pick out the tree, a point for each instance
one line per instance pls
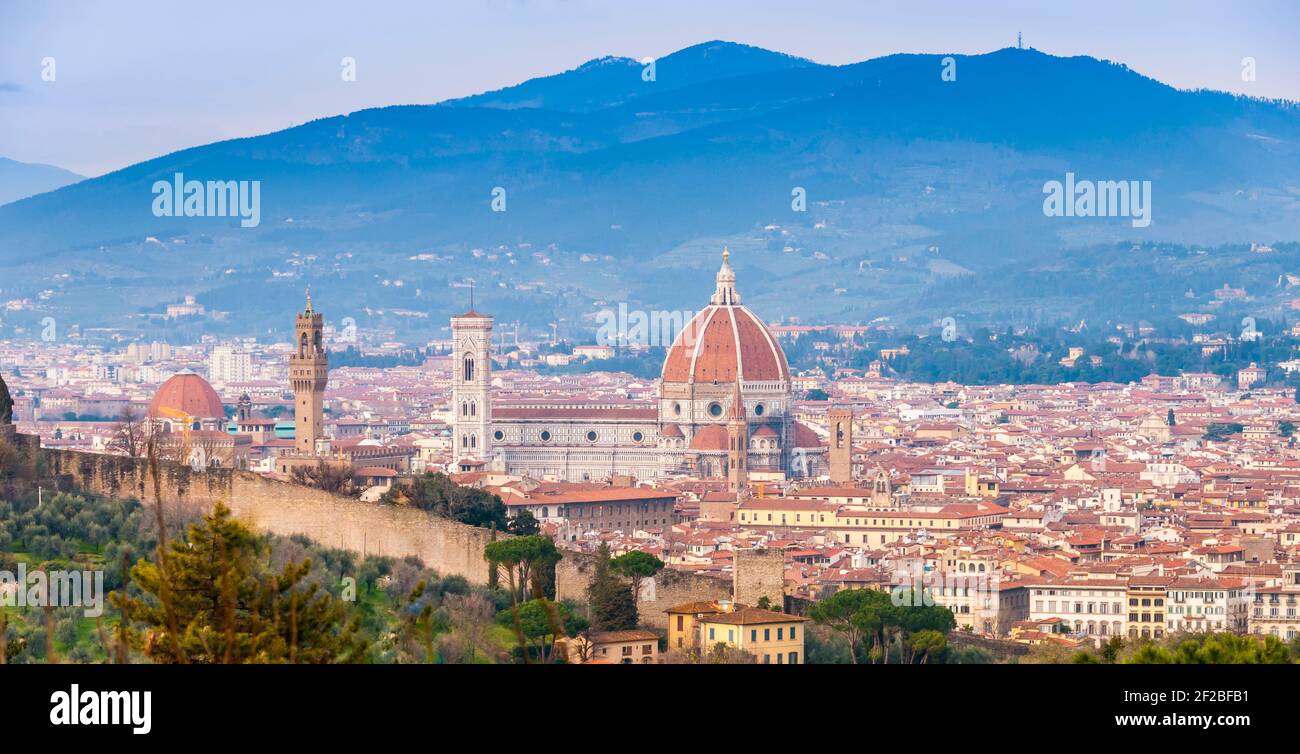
(331, 477)
(1169, 419)
(1214, 649)
(889, 619)
(470, 614)
(518, 556)
(610, 601)
(838, 613)
(436, 493)
(523, 524)
(637, 566)
(129, 434)
(217, 601)
(928, 643)
(537, 619)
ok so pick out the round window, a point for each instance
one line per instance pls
(637, 437)
(546, 435)
(715, 409)
(498, 435)
(758, 409)
(677, 409)
(591, 436)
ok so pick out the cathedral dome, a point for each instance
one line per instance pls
(187, 392)
(725, 342)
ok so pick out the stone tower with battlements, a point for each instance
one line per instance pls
(840, 422)
(308, 373)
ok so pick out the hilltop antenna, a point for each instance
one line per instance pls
(1019, 42)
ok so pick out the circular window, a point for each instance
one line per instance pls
(677, 409)
(498, 435)
(637, 437)
(758, 409)
(591, 436)
(546, 435)
(715, 409)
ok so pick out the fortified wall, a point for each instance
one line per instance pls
(283, 508)
(332, 520)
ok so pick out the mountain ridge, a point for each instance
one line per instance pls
(651, 175)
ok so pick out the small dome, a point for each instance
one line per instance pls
(710, 437)
(187, 392)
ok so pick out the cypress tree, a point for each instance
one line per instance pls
(610, 599)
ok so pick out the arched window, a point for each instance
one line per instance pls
(473, 408)
(302, 345)
(469, 368)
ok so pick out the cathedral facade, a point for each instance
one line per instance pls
(724, 411)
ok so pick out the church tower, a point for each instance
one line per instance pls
(471, 398)
(308, 372)
(841, 445)
(737, 443)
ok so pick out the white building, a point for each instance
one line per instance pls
(725, 351)
(226, 364)
(1092, 608)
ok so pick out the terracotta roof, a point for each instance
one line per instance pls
(747, 616)
(724, 343)
(190, 393)
(710, 437)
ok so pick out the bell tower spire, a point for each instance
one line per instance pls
(737, 443)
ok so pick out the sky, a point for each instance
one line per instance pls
(140, 79)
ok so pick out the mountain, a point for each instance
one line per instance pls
(610, 81)
(19, 180)
(620, 189)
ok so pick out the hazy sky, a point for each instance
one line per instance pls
(141, 78)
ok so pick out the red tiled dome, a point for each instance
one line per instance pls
(670, 430)
(190, 393)
(710, 437)
(725, 342)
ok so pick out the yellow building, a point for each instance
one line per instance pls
(1146, 606)
(773, 638)
(854, 524)
(683, 623)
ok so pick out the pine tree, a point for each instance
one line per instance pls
(229, 607)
